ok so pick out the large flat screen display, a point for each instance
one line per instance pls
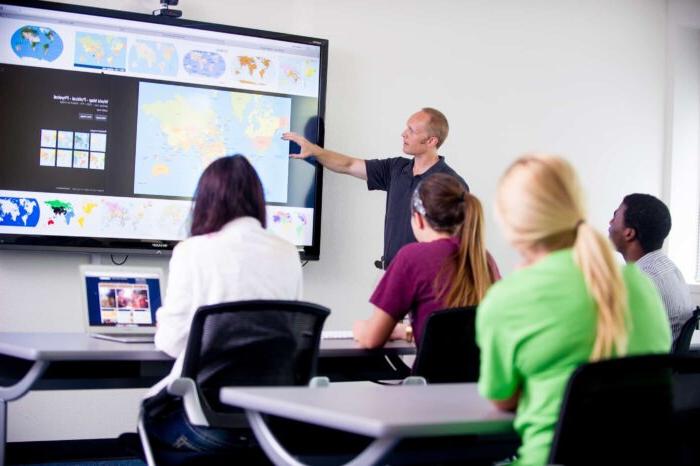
(108, 119)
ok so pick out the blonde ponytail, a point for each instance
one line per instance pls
(540, 205)
(594, 256)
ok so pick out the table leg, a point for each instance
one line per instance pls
(371, 455)
(14, 392)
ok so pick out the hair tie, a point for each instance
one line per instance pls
(464, 196)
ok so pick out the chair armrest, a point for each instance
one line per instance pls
(414, 380)
(145, 442)
(319, 381)
(186, 388)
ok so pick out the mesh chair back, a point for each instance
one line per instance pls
(263, 342)
(682, 343)
(447, 352)
(627, 411)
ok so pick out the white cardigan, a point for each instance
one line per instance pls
(241, 261)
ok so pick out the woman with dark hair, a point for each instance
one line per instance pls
(229, 257)
(448, 266)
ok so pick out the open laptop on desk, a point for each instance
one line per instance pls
(120, 303)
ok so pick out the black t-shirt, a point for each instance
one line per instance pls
(395, 176)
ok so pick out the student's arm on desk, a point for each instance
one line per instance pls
(375, 331)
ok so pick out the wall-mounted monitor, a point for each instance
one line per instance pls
(108, 119)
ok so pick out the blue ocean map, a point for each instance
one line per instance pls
(182, 129)
(36, 42)
(19, 212)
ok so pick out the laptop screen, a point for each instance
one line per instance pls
(122, 298)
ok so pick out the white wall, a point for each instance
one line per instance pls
(683, 161)
(582, 79)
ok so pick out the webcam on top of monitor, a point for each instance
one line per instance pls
(165, 10)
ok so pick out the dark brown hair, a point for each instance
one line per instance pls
(228, 189)
(448, 207)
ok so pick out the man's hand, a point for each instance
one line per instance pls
(306, 148)
(333, 161)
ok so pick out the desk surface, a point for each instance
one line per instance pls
(377, 410)
(81, 347)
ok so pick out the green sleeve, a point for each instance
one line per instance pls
(499, 378)
(650, 330)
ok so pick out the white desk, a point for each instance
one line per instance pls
(386, 413)
(50, 361)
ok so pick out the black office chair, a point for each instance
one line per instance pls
(447, 352)
(682, 343)
(244, 343)
(634, 410)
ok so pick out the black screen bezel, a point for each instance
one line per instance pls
(164, 247)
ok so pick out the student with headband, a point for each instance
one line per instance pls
(448, 266)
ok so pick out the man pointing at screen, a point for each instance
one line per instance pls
(425, 132)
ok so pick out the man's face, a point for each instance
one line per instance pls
(416, 139)
(619, 234)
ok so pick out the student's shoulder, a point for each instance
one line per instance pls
(188, 245)
(280, 244)
(415, 251)
(505, 290)
(637, 282)
(515, 293)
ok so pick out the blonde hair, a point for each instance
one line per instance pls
(540, 204)
(437, 124)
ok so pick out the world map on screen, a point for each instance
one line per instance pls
(37, 42)
(249, 69)
(181, 130)
(298, 75)
(209, 64)
(100, 51)
(146, 56)
(19, 212)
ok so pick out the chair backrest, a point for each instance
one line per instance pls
(682, 343)
(629, 410)
(447, 352)
(261, 342)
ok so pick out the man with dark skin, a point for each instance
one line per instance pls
(638, 229)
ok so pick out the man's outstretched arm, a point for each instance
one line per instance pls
(334, 161)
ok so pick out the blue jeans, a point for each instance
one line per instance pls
(174, 431)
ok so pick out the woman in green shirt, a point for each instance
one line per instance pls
(568, 304)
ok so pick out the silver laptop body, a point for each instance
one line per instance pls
(120, 302)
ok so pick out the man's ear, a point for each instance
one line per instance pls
(629, 234)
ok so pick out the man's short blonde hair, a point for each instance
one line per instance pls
(437, 124)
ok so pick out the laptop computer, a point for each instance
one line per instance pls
(120, 303)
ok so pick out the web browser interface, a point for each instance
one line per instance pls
(108, 123)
